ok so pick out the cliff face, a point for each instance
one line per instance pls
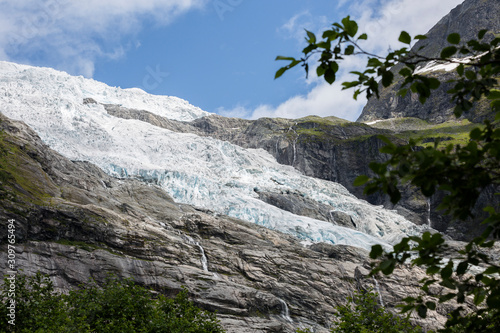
(72, 221)
(466, 19)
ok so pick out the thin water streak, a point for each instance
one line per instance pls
(285, 313)
(377, 288)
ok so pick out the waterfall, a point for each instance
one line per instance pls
(332, 217)
(204, 260)
(377, 288)
(429, 212)
(285, 313)
(294, 151)
(294, 143)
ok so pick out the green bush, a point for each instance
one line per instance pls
(117, 306)
(362, 314)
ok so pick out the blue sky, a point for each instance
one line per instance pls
(217, 54)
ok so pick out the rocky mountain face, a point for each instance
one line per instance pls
(466, 19)
(73, 221)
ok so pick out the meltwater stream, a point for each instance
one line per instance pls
(377, 288)
(204, 260)
(285, 312)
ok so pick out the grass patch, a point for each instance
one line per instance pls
(451, 132)
(85, 246)
(20, 176)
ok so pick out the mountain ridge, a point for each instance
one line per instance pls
(467, 19)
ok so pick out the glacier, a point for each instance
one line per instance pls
(200, 171)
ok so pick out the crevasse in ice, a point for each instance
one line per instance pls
(194, 170)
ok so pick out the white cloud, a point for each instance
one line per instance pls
(393, 16)
(294, 27)
(324, 100)
(383, 21)
(72, 33)
(237, 112)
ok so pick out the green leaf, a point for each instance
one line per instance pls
(330, 34)
(308, 49)
(475, 134)
(462, 268)
(420, 37)
(447, 271)
(405, 37)
(363, 36)
(453, 38)
(405, 72)
(320, 70)
(492, 270)
(284, 58)
(494, 94)
(387, 78)
(422, 311)
(479, 297)
(280, 72)
(351, 27)
(325, 45)
(447, 297)
(349, 50)
(447, 52)
(311, 37)
(374, 62)
(352, 84)
(493, 301)
(481, 33)
(330, 76)
(431, 305)
(376, 251)
(434, 83)
(471, 75)
(433, 270)
(403, 92)
(361, 180)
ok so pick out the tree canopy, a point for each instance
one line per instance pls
(461, 172)
(119, 305)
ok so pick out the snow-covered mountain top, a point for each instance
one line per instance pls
(50, 82)
(195, 170)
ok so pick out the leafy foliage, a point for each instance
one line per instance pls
(119, 306)
(461, 172)
(363, 314)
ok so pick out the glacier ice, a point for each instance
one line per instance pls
(195, 170)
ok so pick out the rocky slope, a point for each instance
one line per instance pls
(466, 19)
(74, 222)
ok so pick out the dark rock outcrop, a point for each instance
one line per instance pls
(466, 19)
